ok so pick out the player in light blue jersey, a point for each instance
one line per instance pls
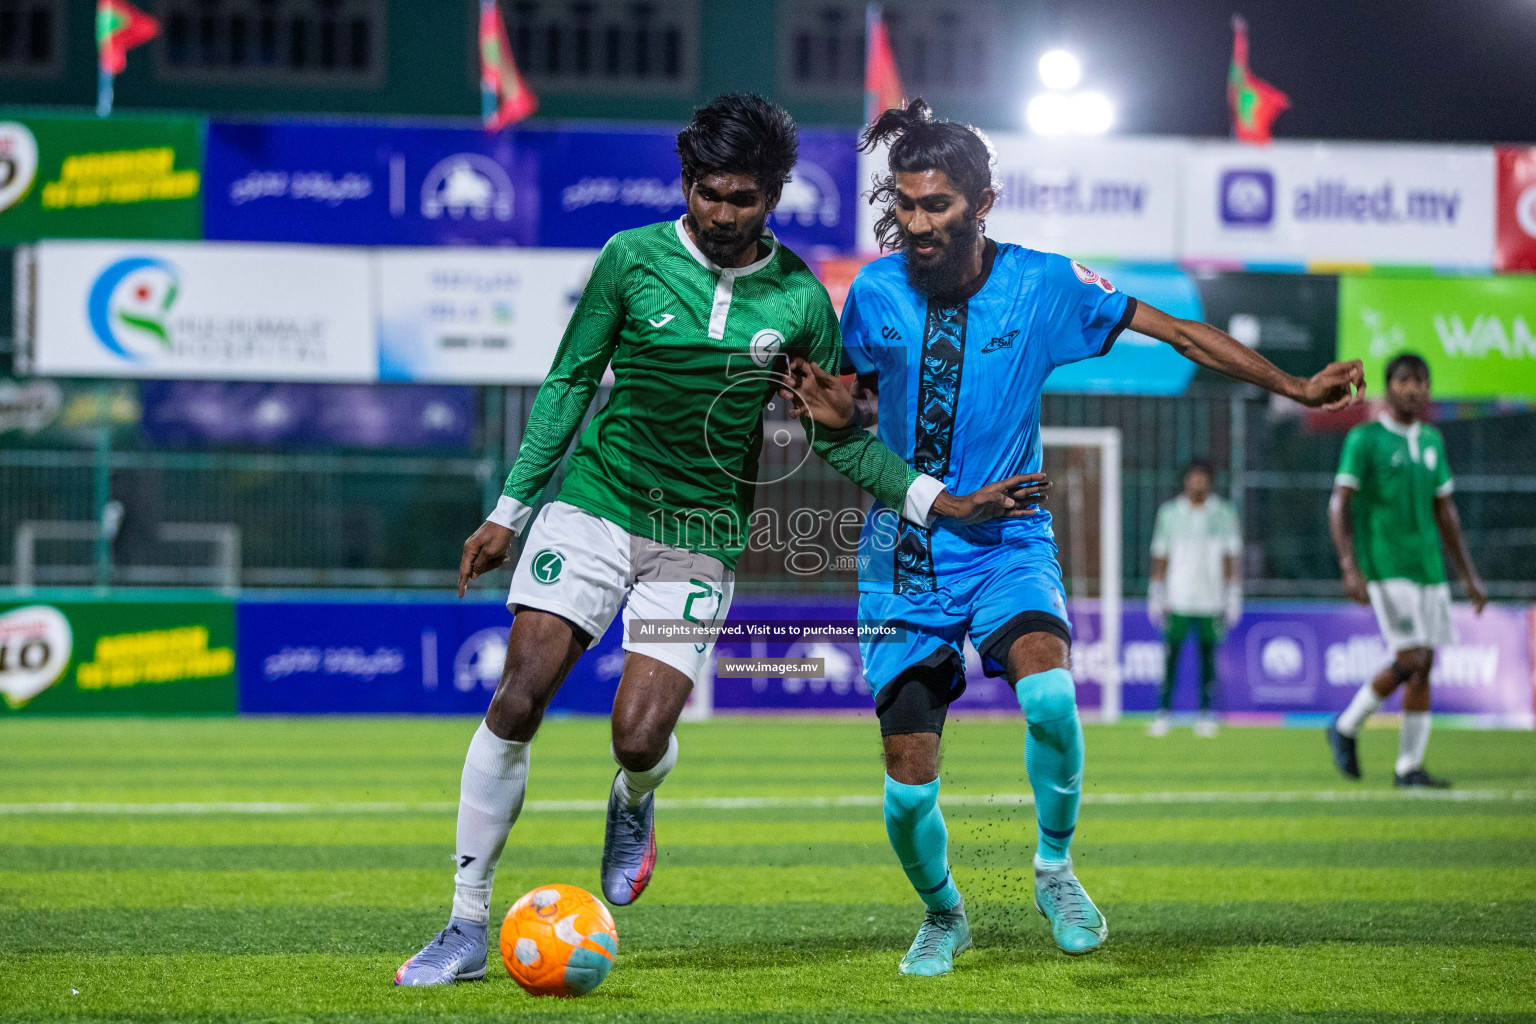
(952, 337)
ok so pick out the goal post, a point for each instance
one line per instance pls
(1084, 466)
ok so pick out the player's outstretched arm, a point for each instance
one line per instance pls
(1341, 527)
(1449, 522)
(1336, 386)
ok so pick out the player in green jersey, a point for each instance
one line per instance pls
(1391, 508)
(693, 316)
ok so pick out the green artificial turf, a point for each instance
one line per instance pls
(260, 870)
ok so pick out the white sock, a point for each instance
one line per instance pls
(1362, 707)
(490, 795)
(1412, 738)
(632, 786)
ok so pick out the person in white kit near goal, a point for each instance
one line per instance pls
(1196, 587)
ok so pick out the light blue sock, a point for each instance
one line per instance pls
(916, 827)
(1053, 756)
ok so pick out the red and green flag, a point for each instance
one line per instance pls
(504, 96)
(882, 84)
(1255, 103)
(120, 27)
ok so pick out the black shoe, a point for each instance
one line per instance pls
(1343, 748)
(1421, 778)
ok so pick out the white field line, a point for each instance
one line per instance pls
(731, 803)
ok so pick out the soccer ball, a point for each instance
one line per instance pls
(558, 940)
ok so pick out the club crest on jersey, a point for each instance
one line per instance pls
(1091, 277)
(547, 565)
(766, 344)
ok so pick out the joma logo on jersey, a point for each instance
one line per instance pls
(547, 565)
(1001, 342)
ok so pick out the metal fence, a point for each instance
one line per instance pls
(398, 520)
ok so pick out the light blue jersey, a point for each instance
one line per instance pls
(960, 393)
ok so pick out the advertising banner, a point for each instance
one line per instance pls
(182, 412)
(1282, 658)
(475, 316)
(362, 184)
(1475, 332)
(42, 413)
(1298, 203)
(595, 183)
(117, 657)
(177, 310)
(437, 657)
(1113, 199)
(1292, 319)
(91, 177)
(1517, 209)
(1137, 364)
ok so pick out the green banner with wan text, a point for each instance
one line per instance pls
(1476, 333)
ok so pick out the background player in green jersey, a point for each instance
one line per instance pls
(1196, 586)
(1391, 508)
(693, 315)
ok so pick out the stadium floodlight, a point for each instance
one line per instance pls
(1050, 113)
(1060, 70)
(1092, 113)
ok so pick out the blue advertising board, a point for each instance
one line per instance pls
(366, 184)
(595, 183)
(438, 657)
(180, 412)
(557, 187)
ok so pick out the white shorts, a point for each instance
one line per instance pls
(582, 567)
(1412, 614)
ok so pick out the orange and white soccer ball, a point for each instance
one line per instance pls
(558, 940)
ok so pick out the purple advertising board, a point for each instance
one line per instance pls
(593, 183)
(348, 415)
(442, 657)
(554, 187)
(369, 184)
(376, 657)
(1282, 659)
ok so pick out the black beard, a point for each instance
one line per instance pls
(944, 277)
(721, 249)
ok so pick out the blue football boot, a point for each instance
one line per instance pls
(629, 847)
(945, 934)
(1345, 757)
(1076, 924)
(456, 954)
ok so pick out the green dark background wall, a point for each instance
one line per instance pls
(430, 69)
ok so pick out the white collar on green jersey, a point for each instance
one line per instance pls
(707, 263)
(1411, 432)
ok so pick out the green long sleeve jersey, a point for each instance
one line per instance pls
(673, 455)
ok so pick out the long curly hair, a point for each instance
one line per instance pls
(919, 142)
